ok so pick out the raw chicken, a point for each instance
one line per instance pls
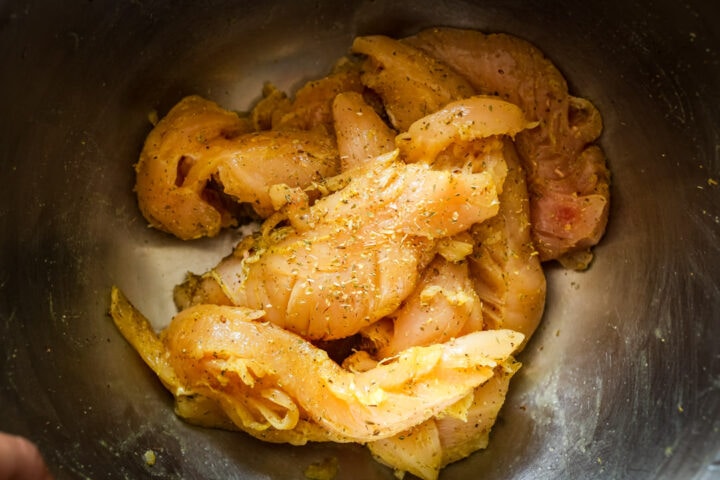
(363, 252)
(352, 257)
(505, 272)
(312, 106)
(200, 161)
(443, 306)
(361, 134)
(568, 177)
(266, 379)
(506, 278)
(459, 122)
(496, 281)
(398, 266)
(504, 265)
(425, 449)
(411, 83)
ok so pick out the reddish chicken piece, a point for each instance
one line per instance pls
(568, 177)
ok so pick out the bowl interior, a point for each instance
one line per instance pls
(621, 380)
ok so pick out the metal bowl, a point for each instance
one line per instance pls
(621, 381)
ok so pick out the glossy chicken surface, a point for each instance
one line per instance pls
(199, 144)
(567, 173)
(275, 384)
(407, 200)
(360, 252)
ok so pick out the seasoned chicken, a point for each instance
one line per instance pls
(363, 252)
(269, 381)
(312, 106)
(425, 449)
(443, 306)
(457, 123)
(495, 281)
(199, 161)
(411, 83)
(504, 265)
(506, 283)
(408, 199)
(361, 134)
(568, 177)
(352, 257)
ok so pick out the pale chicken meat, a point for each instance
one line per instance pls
(458, 122)
(567, 174)
(363, 254)
(352, 257)
(311, 108)
(504, 265)
(495, 269)
(506, 283)
(200, 154)
(406, 202)
(425, 449)
(269, 381)
(443, 306)
(361, 134)
(411, 83)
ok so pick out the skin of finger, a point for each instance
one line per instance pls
(20, 459)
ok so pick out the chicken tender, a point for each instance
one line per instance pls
(411, 83)
(362, 256)
(567, 175)
(405, 201)
(361, 134)
(504, 265)
(263, 377)
(199, 161)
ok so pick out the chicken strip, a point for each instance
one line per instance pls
(411, 83)
(361, 134)
(358, 253)
(312, 105)
(464, 428)
(265, 378)
(200, 154)
(568, 176)
(504, 265)
(443, 306)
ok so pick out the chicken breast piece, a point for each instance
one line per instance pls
(504, 266)
(312, 106)
(265, 378)
(464, 428)
(361, 134)
(442, 306)
(567, 176)
(200, 160)
(362, 256)
(411, 83)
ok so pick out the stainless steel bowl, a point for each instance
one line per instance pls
(621, 381)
